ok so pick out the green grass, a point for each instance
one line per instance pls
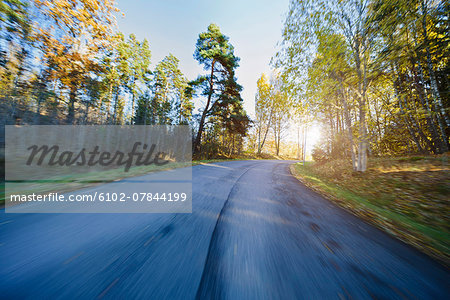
(66, 183)
(393, 202)
(73, 182)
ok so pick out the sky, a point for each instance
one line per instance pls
(172, 26)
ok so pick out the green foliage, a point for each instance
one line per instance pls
(14, 18)
(212, 46)
(98, 84)
(373, 72)
(219, 86)
(67, 64)
(170, 102)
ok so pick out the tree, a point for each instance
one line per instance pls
(216, 54)
(305, 23)
(138, 57)
(280, 111)
(377, 74)
(114, 75)
(406, 47)
(171, 104)
(77, 30)
(330, 81)
(264, 110)
(14, 52)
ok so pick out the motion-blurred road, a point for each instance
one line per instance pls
(255, 233)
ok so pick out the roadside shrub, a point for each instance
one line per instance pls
(319, 154)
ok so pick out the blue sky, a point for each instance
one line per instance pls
(172, 26)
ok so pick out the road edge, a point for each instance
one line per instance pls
(374, 219)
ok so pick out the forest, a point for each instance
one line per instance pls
(66, 62)
(373, 74)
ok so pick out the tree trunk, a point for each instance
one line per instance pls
(408, 126)
(72, 100)
(132, 108)
(198, 138)
(86, 113)
(362, 143)
(415, 124)
(397, 93)
(133, 97)
(298, 142)
(267, 128)
(116, 104)
(437, 143)
(304, 144)
(348, 124)
(277, 144)
(433, 81)
(258, 139)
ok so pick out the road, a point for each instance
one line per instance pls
(255, 233)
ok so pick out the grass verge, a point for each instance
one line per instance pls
(74, 182)
(405, 197)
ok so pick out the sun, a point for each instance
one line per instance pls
(313, 137)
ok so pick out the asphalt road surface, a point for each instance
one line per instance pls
(255, 233)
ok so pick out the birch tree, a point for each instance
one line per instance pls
(264, 109)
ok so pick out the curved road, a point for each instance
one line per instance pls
(255, 233)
